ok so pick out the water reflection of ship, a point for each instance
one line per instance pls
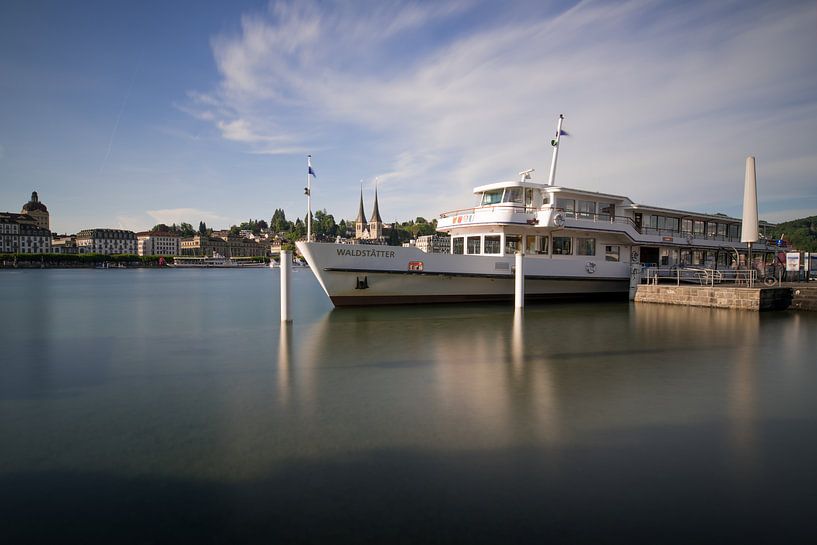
(497, 379)
(428, 360)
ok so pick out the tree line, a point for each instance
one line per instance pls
(324, 227)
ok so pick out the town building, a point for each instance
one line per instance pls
(238, 246)
(9, 234)
(158, 243)
(106, 241)
(65, 244)
(203, 246)
(434, 244)
(37, 211)
(20, 233)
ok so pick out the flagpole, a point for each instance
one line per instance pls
(309, 198)
(555, 144)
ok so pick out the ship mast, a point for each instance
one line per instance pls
(555, 144)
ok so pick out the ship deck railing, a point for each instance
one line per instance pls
(702, 276)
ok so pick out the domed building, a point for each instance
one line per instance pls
(37, 211)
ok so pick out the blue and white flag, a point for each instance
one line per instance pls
(563, 133)
(310, 172)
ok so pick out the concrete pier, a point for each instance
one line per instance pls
(755, 299)
(804, 297)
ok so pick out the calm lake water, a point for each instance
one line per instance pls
(148, 406)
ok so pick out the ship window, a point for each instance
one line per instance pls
(586, 209)
(669, 257)
(568, 205)
(711, 229)
(457, 245)
(607, 210)
(474, 245)
(698, 227)
(528, 197)
(722, 259)
(722, 229)
(493, 244)
(612, 253)
(513, 194)
(686, 257)
(697, 257)
(586, 246)
(512, 243)
(530, 244)
(734, 231)
(562, 245)
(686, 226)
(492, 197)
(543, 245)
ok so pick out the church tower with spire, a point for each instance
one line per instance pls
(360, 222)
(375, 222)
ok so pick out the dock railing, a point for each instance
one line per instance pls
(702, 276)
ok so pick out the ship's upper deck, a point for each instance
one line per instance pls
(524, 203)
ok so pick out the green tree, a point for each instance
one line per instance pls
(324, 224)
(802, 233)
(279, 223)
(202, 228)
(186, 230)
(298, 229)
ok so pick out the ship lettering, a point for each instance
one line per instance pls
(365, 253)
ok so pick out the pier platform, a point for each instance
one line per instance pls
(804, 297)
(726, 296)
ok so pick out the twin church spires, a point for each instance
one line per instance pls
(373, 230)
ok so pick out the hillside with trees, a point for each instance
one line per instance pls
(802, 233)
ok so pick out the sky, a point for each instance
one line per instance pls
(128, 114)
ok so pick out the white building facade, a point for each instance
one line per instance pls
(106, 241)
(434, 244)
(156, 243)
(20, 233)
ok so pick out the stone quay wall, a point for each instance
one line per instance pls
(755, 299)
(804, 298)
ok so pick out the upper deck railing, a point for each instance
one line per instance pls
(504, 207)
(596, 218)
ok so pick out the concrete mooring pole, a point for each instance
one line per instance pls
(286, 269)
(519, 299)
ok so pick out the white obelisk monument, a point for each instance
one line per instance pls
(748, 232)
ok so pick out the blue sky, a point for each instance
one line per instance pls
(125, 114)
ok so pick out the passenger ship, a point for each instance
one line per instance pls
(576, 243)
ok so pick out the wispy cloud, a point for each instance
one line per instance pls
(664, 101)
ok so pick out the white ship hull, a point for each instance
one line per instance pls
(372, 275)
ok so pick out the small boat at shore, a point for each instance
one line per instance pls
(216, 262)
(297, 263)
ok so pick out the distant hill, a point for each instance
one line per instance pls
(801, 233)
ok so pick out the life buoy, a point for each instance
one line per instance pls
(558, 219)
(590, 267)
